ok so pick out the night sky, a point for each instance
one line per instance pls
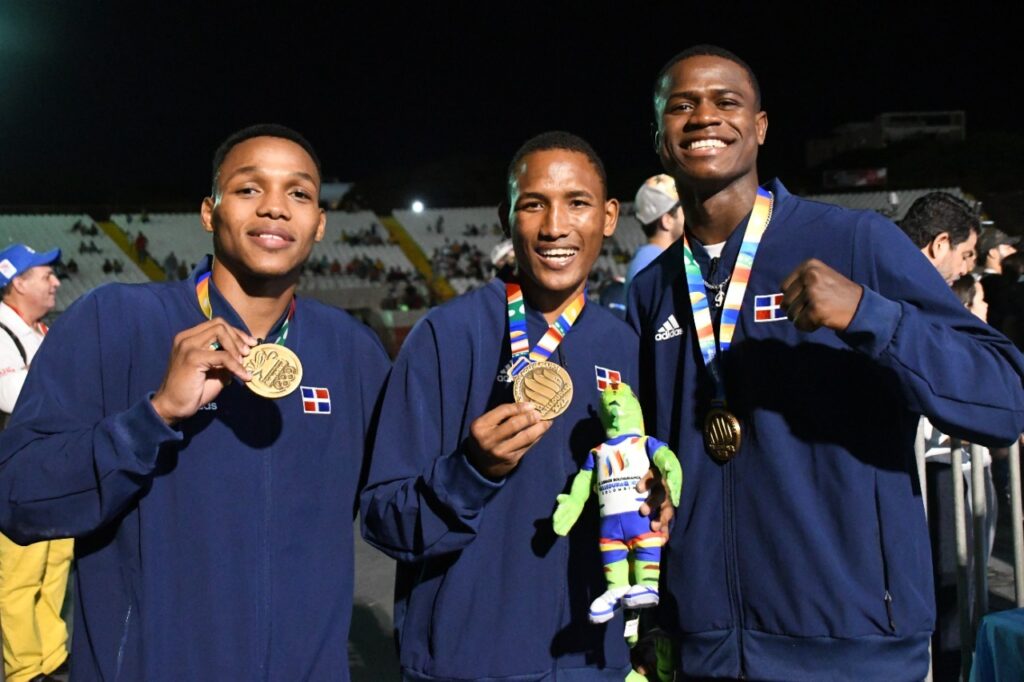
(122, 104)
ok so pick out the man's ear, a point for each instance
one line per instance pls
(611, 217)
(321, 226)
(939, 246)
(761, 125)
(503, 209)
(206, 214)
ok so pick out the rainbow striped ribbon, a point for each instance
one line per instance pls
(760, 216)
(518, 337)
(203, 294)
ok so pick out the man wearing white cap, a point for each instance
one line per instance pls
(658, 210)
(33, 579)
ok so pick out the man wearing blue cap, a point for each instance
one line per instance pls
(33, 579)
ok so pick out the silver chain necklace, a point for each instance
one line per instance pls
(718, 289)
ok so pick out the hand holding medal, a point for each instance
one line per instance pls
(499, 438)
(197, 372)
(273, 369)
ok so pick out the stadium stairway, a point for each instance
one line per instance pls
(439, 285)
(149, 266)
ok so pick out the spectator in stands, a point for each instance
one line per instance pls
(141, 244)
(946, 229)
(171, 266)
(972, 295)
(801, 551)
(463, 492)
(661, 216)
(1007, 311)
(72, 267)
(108, 267)
(33, 578)
(994, 245)
(214, 524)
(503, 259)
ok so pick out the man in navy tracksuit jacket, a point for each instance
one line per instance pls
(213, 526)
(805, 557)
(485, 589)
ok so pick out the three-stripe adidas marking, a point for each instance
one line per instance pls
(669, 329)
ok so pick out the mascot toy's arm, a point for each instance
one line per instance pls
(570, 505)
(671, 472)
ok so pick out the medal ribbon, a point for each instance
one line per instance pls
(518, 337)
(760, 216)
(203, 294)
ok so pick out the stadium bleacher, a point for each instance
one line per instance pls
(45, 232)
(883, 202)
(351, 238)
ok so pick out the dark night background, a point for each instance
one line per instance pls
(121, 105)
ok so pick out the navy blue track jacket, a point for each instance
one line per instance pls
(221, 549)
(806, 557)
(485, 589)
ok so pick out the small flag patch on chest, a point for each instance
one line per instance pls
(606, 377)
(768, 308)
(315, 400)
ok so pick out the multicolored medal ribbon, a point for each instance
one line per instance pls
(276, 370)
(534, 377)
(722, 433)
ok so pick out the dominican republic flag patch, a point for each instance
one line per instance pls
(768, 308)
(315, 400)
(606, 377)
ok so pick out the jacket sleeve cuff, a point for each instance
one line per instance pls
(143, 432)
(460, 486)
(873, 325)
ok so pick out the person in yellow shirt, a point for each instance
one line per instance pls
(33, 579)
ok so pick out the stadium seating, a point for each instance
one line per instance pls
(882, 201)
(183, 234)
(44, 232)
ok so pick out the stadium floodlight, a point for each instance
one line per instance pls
(417, 206)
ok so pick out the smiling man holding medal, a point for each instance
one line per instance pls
(793, 404)
(203, 441)
(493, 407)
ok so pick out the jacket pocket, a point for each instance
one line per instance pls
(886, 595)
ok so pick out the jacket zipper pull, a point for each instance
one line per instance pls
(888, 610)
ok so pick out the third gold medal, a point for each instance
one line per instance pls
(722, 430)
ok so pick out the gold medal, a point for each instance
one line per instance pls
(721, 434)
(276, 370)
(546, 385)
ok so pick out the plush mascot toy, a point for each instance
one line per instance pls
(613, 469)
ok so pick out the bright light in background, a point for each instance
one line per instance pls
(417, 206)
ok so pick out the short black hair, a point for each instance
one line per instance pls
(259, 130)
(556, 139)
(965, 287)
(938, 212)
(705, 50)
(1013, 266)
